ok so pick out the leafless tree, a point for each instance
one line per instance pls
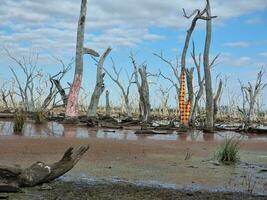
(29, 69)
(56, 87)
(143, 89)
(72, 108)
(205, 14)
(249, 96)
(125, 90)
(99, 87)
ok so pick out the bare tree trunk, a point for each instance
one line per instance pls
(72, 104)
(61, 91)
(72, 108)
(207, 74)
(216, 99)
(144, 95)
(99, 87)
(107, 104)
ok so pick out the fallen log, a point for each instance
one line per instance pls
(12, 178)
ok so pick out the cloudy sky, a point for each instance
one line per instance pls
(143, 27)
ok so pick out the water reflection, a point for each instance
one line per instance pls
(54, 129)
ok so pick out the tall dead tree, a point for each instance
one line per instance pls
(72, 108)
(203, 15)
(250, 94)
(207, 72)
(125, 90)
(99, 87)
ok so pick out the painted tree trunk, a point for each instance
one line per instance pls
(184, 106)
(99, 87)
(72, 105)
(207, 74)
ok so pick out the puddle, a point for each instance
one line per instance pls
(54, 129)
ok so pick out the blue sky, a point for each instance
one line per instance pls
(143, 27)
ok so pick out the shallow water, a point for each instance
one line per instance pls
(55, 129)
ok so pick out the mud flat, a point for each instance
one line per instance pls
(183, 164)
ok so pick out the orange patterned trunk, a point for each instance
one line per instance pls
(184, 106)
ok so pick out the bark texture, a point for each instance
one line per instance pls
(144, 95)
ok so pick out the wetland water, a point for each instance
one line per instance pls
(151, 160)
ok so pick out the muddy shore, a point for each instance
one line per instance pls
(122, 155)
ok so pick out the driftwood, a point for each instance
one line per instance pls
(12, 178)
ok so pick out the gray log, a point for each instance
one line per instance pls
(39, 172)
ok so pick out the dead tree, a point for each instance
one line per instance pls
(125, 90)
(4, 96)
(216, 99)
(175, 69)
(99, 87)
(207, 72)
(56, 80)
(199, 93)
(55, 86)
(12, 178)
(145, 102)
(205, 14)
(143, 90)
(31, 72)
(72, 108)
(164, 101)
(107, 104)
(249, 95)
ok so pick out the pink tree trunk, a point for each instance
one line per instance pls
(71, 110)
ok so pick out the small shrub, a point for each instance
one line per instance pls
(39, 117)
(228, 152)
(19, 121)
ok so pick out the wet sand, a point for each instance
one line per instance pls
(152, 160)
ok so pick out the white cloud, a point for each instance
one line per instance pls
(51, 25)
(229, 60)
(264, 54)
(239, 44)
